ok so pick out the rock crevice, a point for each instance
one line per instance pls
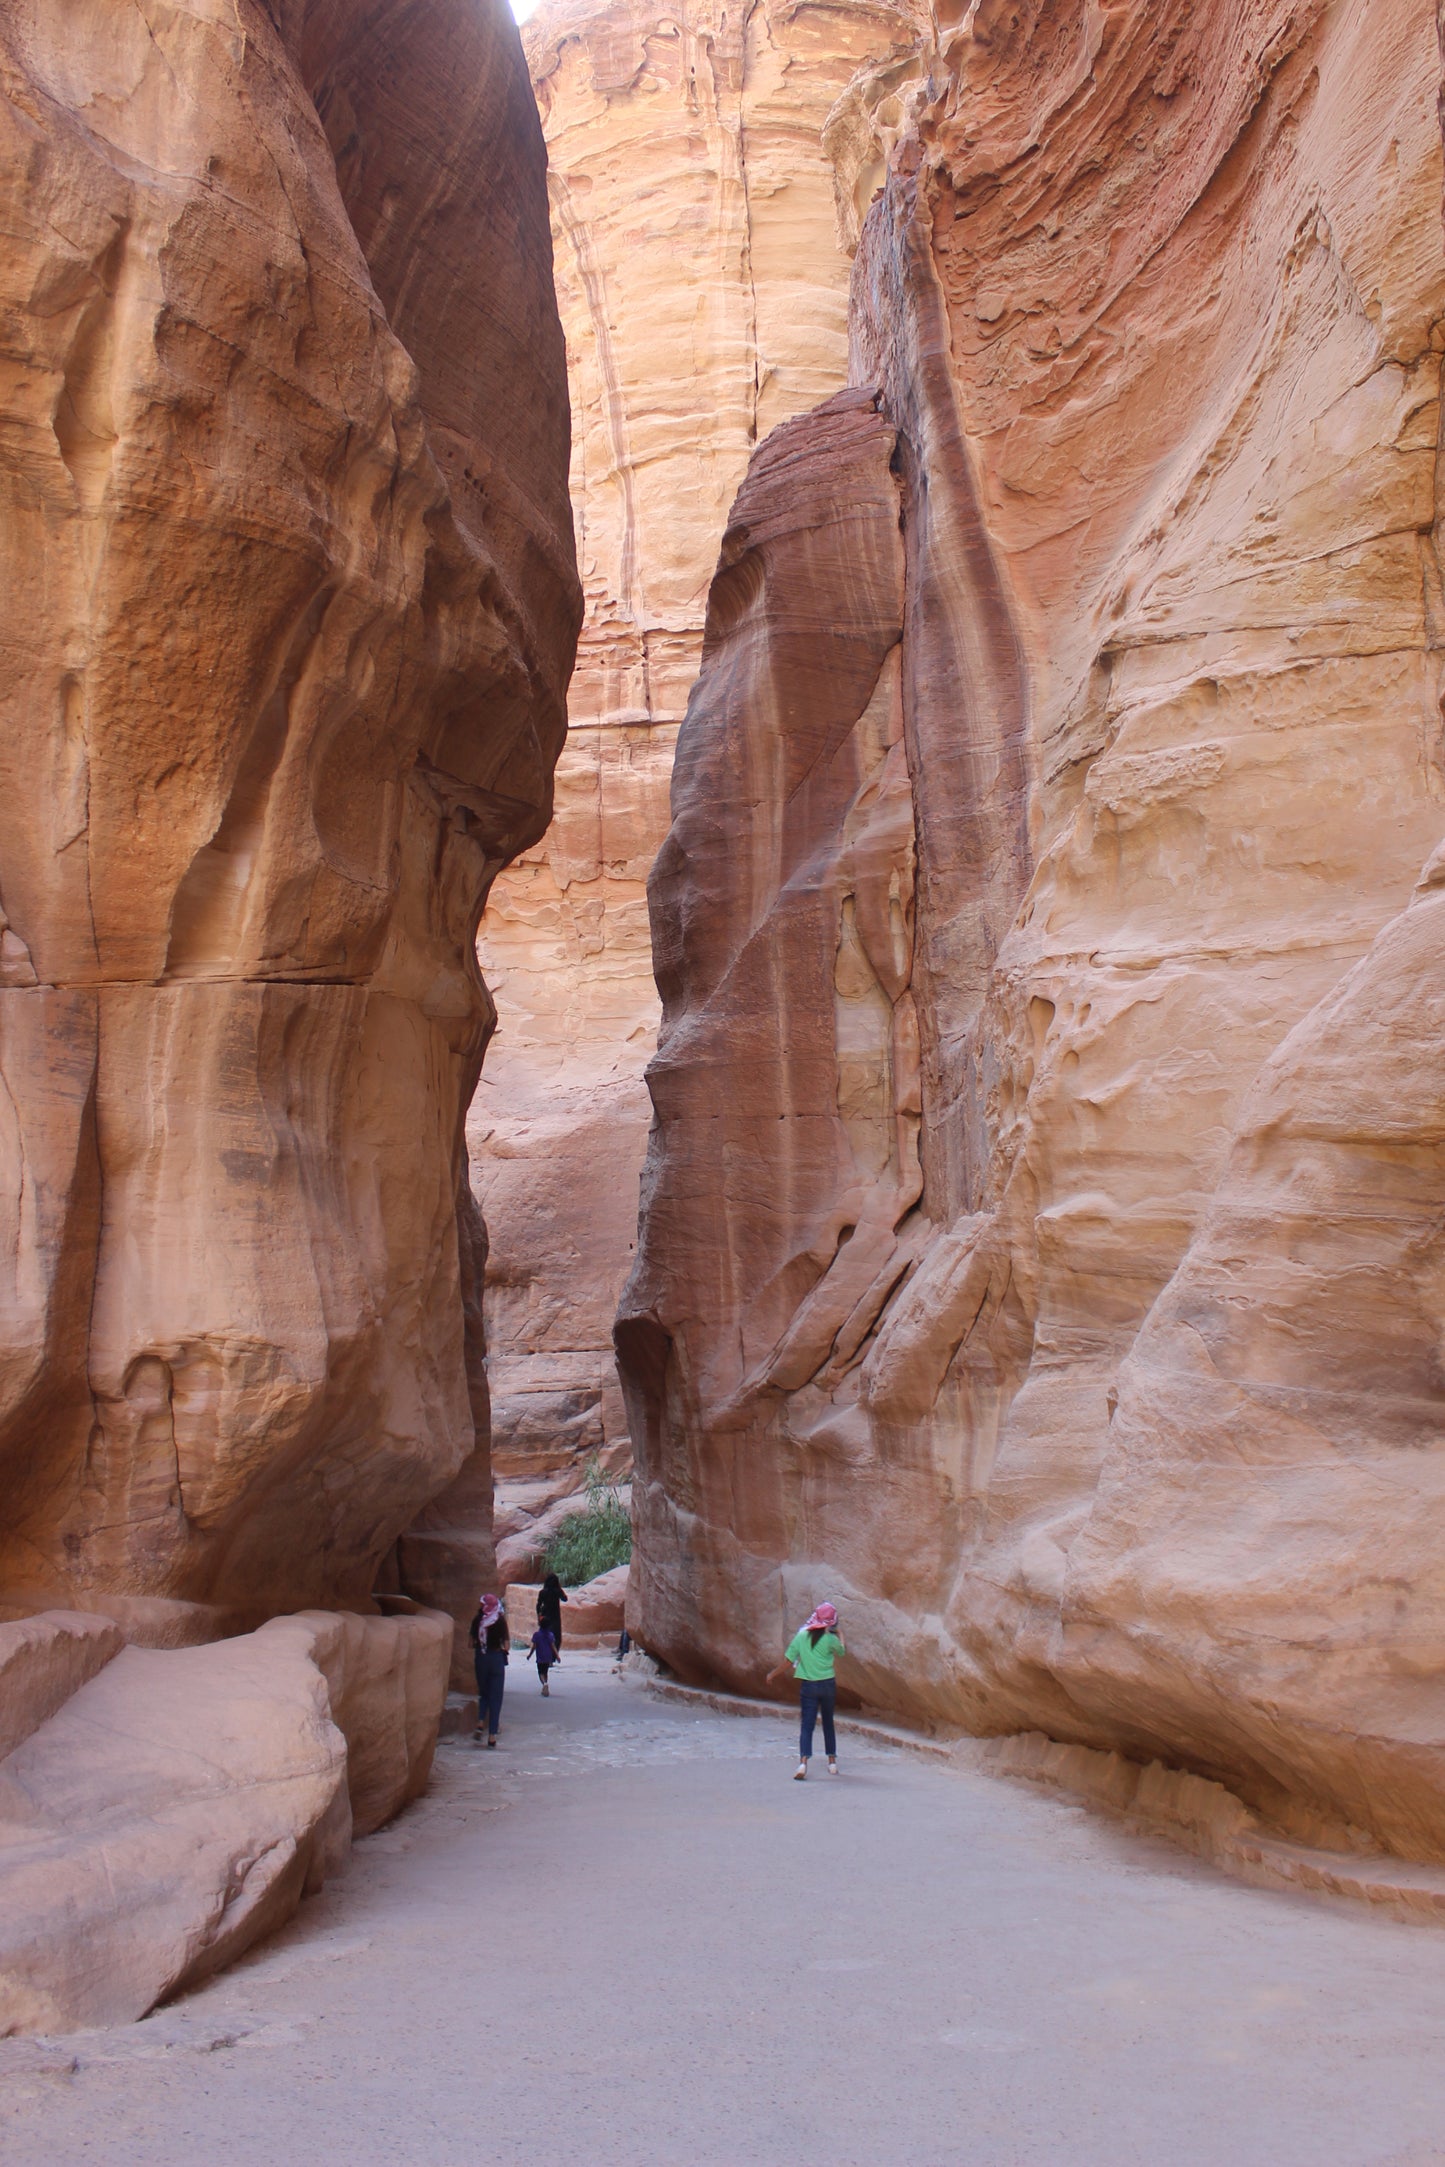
(702, 280)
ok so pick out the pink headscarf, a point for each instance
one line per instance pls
(825, 1615)
(491, 1611)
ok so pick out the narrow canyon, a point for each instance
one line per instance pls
(850, 593)
(701, 229)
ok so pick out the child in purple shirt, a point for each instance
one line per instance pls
(544, 1649)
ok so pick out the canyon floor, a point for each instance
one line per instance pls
(628, 1939)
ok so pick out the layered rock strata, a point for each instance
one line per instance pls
(700, 225)
(289, 607)
(1040, 1220)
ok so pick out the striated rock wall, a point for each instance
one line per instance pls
(1041, 1220)
(699, 227)
(288, 609)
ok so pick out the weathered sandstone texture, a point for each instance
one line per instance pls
(43, 1660)
(288, 603)
(1042, 1246)
(699, 228)
(181, 1802)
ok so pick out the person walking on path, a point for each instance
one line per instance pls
(544, 1648)
(491, 1642)
(550, 1598)
(812, 1651)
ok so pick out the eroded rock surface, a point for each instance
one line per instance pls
(1115, 1412)
(289, 607)
(700, 228)
(43, 1660)
(288, 603)
(181, 1802)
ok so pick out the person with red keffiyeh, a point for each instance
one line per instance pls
(491, 1640)
(812, 1652)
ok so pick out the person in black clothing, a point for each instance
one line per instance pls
(491, 1640)
(550, 1598)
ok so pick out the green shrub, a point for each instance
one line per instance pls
(595, 1537)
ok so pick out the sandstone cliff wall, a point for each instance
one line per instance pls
(288, 606)
(699, 227)
(1041, 1223)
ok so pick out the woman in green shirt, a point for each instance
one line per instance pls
(812, 1653)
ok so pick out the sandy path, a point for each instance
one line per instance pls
(627, 1937)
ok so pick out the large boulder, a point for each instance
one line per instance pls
(181, 1801)
(592, 1612)
(174, 1810)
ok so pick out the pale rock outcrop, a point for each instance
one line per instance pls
(43, 1660)
(171, 1813)
(386, 1682)
(1118, 1419)
(598, 1609)
(289, 606)
(702, 273)
(594, 1612)
(181, 1802)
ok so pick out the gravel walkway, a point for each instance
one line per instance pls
(627, 1939)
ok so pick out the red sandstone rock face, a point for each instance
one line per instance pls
(1123, 1426)
(700, 222)
(786, 1085)
(289, 609)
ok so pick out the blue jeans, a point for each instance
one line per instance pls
(491, 1683)
(817, 1697)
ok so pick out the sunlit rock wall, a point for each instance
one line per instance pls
(289, 606)
(1042, 1226)
(704, 166)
